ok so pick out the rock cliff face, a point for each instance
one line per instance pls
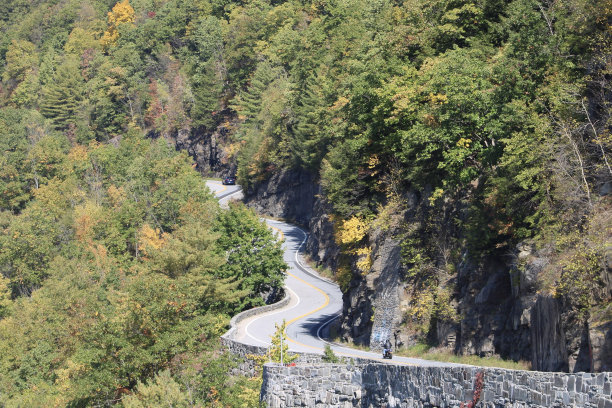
(321, 245)
(287, 194)
(497, 301)
(548, 337)
(209, 148)
(295, 196)
(382, 288)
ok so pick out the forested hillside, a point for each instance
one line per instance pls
(472, 135)
(118, 270)
(475, 134)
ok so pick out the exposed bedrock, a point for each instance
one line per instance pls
(286, 194)
(501, 310)
(295, 196)
(372, 303)
(209, 148)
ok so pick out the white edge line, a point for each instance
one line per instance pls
(297, 260)
(333, 345)
(229, 195)
(267, 343)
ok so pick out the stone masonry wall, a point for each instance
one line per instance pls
(385, 385)
(246, 351)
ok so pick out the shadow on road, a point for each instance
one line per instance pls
(310, 326)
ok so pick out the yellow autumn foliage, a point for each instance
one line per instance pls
(65, 375)
(437, 193)
(432, 302)
(465, 143)
(421, 308)
(373, 162)
(86, 217)
(438, 99)
(351, 231)
(116, 195)
(122, 13)
(365, 259)
(150, 238)
(78, 154)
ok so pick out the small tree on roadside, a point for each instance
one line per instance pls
(279, 350)
(329, 356)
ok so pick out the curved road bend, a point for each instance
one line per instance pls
(315, 301)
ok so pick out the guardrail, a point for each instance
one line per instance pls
(229, 335)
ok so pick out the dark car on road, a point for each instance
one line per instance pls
(229, 181)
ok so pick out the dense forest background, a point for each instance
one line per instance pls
(118, 270)
(116, 263)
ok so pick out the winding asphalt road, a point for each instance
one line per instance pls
(315, 301)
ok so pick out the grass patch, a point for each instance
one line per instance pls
(425, 352)
(324, 272)
(429, 353)
(334, 331)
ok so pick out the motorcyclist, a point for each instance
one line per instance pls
(387, 348)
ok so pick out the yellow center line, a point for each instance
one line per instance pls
(282, 237)
(218, 182)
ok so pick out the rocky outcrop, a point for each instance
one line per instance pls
(547, 336)
(210, 149)
(371, 312)
(497, 299)
(294, 195)
(321, 245)
(287, 194)
(385, 280)
(600, 335)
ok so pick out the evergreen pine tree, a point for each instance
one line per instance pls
(62, 97)
(308, 138)
(249, 103)
(206, 89)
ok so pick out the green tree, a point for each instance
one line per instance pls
(5, 297)
(279, 349)
(309, 138)
(46, 157)
(62, 97)
(206, 89)
(21, 59)
(80, 40)
(254, 256)
(245, 28)
(162, 390)
(249, 103)
(329, 356)
(14, 191)
(29, 242)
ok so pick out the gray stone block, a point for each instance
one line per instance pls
(601, 403)
(373, 385)
(571, 383)
(566, 398)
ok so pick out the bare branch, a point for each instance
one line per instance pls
(548, 20)
(567, 134)
(603, 153)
